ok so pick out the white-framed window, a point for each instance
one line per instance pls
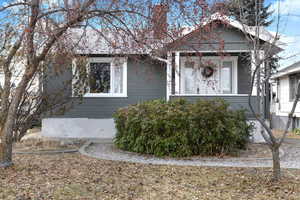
(293, 83)
(227, 77)
(223, 80)
(107, 77)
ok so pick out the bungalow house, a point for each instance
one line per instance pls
(283, 94)
(189, 68)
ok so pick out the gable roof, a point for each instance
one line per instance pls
(263, 34)
(294, 68)
(91, 41)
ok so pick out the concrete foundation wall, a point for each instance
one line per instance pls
(78, 128)
(279, 122)
(256, 135)
(98, 128)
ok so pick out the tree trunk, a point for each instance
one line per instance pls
(276, 163)
(5, 151)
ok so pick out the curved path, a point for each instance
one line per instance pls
(106, 151)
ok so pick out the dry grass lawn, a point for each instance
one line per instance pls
(290, 134)
(73, 176)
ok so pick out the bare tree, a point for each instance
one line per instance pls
(34, 32)
(262, 55)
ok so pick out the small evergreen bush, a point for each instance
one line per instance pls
(296, 131)
(178, 128)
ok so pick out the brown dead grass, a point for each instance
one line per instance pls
(73, 176)
(278, 133)
(44, 144)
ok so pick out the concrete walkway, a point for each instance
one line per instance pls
(290, 157)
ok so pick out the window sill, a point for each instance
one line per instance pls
(105, 95)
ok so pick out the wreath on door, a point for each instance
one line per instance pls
(207, 71)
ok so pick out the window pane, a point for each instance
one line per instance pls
(100, 77)
(118, 79)
(189, 82)
(293, 86)
(226, 79)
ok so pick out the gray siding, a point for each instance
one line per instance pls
(279, 122)
(236, 102)
(233, 40)
(146, 80)
(244, 73)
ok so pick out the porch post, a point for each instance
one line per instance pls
(263, 100)
(253, 62)
(169, 75)
(177, 72)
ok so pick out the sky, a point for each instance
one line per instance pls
(289, 28)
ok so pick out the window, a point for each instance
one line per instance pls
(226, 77)
(190, 82)
(107, 77)
(222, 80)
(99, 78)
(293, 85)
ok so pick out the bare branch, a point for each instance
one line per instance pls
(291, 114)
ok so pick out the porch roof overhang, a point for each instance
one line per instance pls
(292, 69)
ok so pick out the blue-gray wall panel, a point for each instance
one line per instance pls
(279, 122)
(232, 39)
(244, 73)
(146, 81)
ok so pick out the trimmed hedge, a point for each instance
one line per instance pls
(179, 128)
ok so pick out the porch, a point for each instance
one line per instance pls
(208, 75)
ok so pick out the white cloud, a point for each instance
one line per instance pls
(291, 53)
(289, 10)
(286, 7)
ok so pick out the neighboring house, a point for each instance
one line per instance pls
(283, 94)
(119, 80)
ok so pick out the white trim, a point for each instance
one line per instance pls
(264, 34)
(125, 76)
(261, 55)
(203, 95)
(177, 72)
(74, 78)
(213, 51)
(103, 95)
(254, 90)
(235, 73)
(285, 72)
(286, 114)
(169, 76)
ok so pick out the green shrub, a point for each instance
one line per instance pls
(179, 128)
(296, 131)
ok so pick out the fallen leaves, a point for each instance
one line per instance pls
(73, 176)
